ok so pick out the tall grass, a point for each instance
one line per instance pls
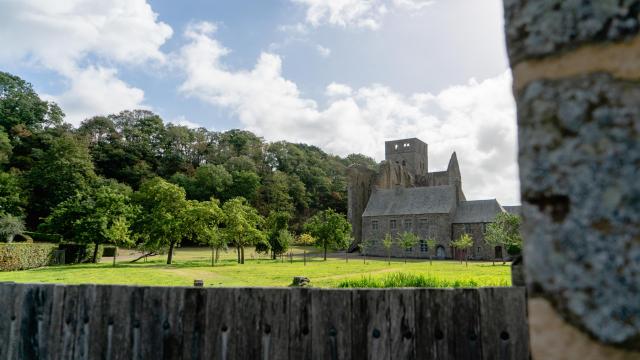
(397, 280)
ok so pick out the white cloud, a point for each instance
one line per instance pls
(183, 121)
(476, 119)
(323, 51)
(412, 4)
(354, 13)
(335, 90)
(97, 91)
(76, 38)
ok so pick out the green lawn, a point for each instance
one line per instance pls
(194, 263)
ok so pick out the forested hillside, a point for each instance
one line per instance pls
(45, 162)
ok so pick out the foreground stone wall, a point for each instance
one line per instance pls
(576, 67)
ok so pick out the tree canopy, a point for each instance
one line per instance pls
(330, 229)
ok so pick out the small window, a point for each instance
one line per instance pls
(406, 145)
(374, 225)
(423, 246)
(396, 147)
(407, 224)
(479, 249)
(393, 224)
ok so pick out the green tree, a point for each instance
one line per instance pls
(408, 240)
(504, 231)
(101, 214)
(210, 180)
(244, 183)
(10, 226)
(61, 171)
(276, 223)
(431, 247)
(463, 244)
(5, 147)
(12, 199)
(242, 225)
(330, 229)
(202, 218)
(387, 243)
(160, 223)
(21, 105)
(364, 246)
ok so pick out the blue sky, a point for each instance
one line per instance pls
(345, 75)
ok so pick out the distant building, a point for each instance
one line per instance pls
(403, 196)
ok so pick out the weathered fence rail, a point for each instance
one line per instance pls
(124, 322)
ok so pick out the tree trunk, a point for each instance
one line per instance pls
(170, 256)
(242, 254)
(388, 258)
(325, 252)
(95, 252)
(346, 255)
(212, 257)
(115, 254)
(238, 252)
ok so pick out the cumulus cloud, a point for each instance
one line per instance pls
(355, 13)
(82, 40)
(323, 51)
(476, 119)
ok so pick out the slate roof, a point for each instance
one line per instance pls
(515, 210)
(477, 211)
(410, 201)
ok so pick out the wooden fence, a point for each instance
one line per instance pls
(125, 322)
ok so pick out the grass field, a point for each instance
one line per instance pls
(195, 263)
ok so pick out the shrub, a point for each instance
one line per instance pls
(44, 237)
(22, 256)
(305, 239)
(397, 280)
(79, 253)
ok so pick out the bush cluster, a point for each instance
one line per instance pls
(22, 256)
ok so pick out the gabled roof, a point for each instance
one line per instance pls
(515, 210)
(477, 211)
(411, 201)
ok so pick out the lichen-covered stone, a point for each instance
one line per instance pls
(537, 28)
(579, 145)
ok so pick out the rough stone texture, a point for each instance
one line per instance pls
(579, 150)
(537, 28)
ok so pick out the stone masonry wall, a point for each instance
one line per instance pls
(480, 250)
(576, 71)
(432, 225)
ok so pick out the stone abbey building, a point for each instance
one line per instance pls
(404, 196)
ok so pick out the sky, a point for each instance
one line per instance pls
(345, 75)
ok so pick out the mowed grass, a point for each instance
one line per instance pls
(258, 270)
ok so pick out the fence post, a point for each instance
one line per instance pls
(576, 82)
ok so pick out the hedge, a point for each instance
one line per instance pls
(22, 256)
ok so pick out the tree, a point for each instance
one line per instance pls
(387, 242)
(431, 247)
(242, 225)
(364, 246)
(331, 230)
(276, 223)
(505, 232)
(61, 171)
(201, 219)
(10, 226)
(12, 199)
(5, 147)
(161, 220)
(462, 244)
(101, 214)
(408, 240)
(21, 105)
